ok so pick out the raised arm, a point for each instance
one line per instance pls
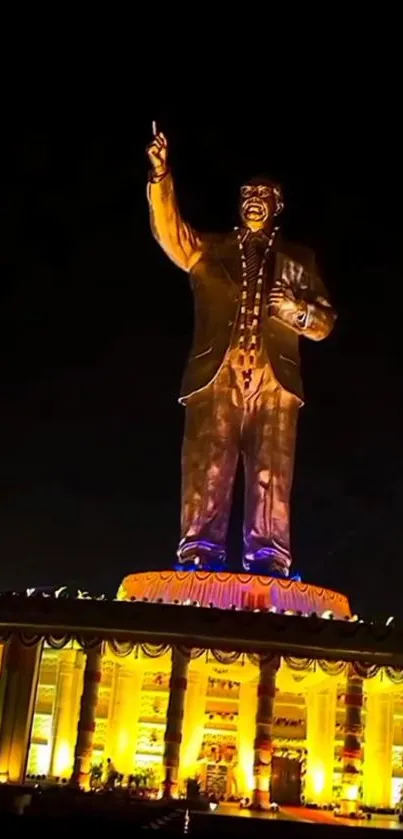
(176, 237)
(301, 301)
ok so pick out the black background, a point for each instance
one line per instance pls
(96, 324)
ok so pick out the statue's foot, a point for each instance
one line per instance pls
(199, 563)
(192, 562)
(266, 569)
(266, 563)
(193, 558)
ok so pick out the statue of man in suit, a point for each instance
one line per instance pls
(254, 295)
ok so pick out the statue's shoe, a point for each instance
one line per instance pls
(200, 555)
(200, 562)
(267, 567)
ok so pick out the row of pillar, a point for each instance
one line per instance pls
(20, 678)
(20, 675)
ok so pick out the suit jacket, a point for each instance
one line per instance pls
(214, 265)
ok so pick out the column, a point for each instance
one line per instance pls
(246, 738)
(352, 752)
(86, 722)
(76, 691)
(125, 711)
(193, 723)
(111, 726)
(377, 768)
(21, 673)
(321, 726)
(2, 676)
(263, 734)
(173, 730)
(63, 723)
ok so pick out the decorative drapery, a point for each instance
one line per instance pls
(154, 650)
(225, 657)
(121, 648)
(305, 665)
(195, 652)
(127, 647)
(332, 668)
(57, 642)
(394, 674)
(258, 658)
(225, 590)
(28, 640)
(365, 671)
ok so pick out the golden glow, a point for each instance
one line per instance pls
(122, 741)
(320, 731)
(378, 751)
(121, 756)
(246, 770)
(39, 758)
(193, 726)
(63, 759)
(246, 736)
(147, 760)
(210, 587)
(318, 780)
(132, 707)
(124, 716)
(351, 792)
(56, 713)
(190, 751)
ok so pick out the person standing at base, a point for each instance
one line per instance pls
(254, 295)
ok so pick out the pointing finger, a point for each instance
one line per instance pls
(160, 141)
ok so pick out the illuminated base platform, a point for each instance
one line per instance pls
(224, 590)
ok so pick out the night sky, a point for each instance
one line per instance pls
(96, 324)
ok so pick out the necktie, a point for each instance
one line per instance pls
(254, 255)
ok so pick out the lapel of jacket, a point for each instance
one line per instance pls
(227, 254)
(279, 256)
(286, 268)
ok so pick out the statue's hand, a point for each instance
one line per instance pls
(158, 154)
(284, 305)
(281, 303)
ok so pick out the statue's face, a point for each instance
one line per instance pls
(258, 205)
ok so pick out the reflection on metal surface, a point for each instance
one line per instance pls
(254, 295)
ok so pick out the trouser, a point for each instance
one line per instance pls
(223, 421)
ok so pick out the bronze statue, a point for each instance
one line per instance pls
(254, 295)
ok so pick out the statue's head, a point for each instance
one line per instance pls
(260, 200)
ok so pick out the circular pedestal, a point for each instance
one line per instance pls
(228, 591)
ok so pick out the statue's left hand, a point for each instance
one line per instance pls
(282, 304)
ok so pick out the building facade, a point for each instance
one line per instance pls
(229, 685)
